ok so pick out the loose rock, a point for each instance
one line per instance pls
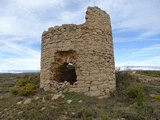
(43, 100)
(69, 101)
(43, 108)
(36, 98)
(80, 101)
(20, 112)
(19, 103)
(56, 96)
(27, 101)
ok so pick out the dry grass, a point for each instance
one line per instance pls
(82, 107)
(149, 73)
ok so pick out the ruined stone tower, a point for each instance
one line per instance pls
(79, 58)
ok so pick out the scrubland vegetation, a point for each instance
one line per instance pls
(21, 99)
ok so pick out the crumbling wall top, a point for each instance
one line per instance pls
(94, 17)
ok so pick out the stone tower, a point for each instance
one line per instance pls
(79, 58)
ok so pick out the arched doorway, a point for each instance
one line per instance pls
(63, 68)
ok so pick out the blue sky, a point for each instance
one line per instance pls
(135, 27)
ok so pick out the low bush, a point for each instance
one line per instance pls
(105, 117)
(7, 84)
(35, 80)
(136, 93)
(26, 86)
(124, 78)
(25, 77)
(156, 96)
(20, 83)
(85, 114)
(13, 91)
(21, 91)
(24, 91)
(18, 91)
(30, 88)
(149, 73)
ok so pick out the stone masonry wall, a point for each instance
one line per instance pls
(88, 47)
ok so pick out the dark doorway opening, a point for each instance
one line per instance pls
(67, 73)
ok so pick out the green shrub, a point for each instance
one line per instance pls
(20, 83)
(104, 117)
(85, 113)
(124, 78)
(26, 86)
(24, 91)
(18, 91)
(156, 96)
(7, 84)
(30, 88)
(136, 93)
(25, 77)
(13, 91)
(35, 80)
(21, 92)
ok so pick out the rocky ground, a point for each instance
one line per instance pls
(76, 106)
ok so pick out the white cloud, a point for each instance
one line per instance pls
(152, 61)
(19, 50)
(143, 13)
(145, 56)
(32, 63)
(15, 56)
(22, 23)
(150, 50)
(136, 15)
(8, 25)
(40, 3)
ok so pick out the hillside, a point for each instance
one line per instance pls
(137, 98)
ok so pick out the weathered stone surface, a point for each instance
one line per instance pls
(43, 108)
(19, 103)
(80, 101)
(27, 101)
(56, 96)
(69, 101)
(36, 98)
(43, 100)
(88, 47)
(20, 112)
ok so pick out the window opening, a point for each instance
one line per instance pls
(67, 73)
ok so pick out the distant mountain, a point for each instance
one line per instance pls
(139, 67)
(19, 71)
